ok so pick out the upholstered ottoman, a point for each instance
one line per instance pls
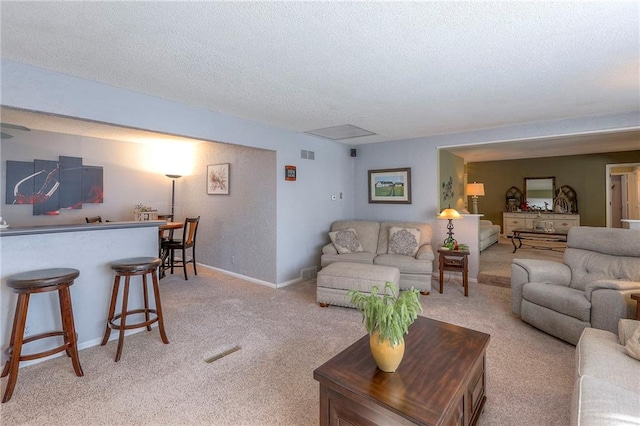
(336, 279)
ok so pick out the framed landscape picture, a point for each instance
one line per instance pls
(218, 179)
(391, 186)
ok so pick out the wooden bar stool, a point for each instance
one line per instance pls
(128, 268)
(41, 281)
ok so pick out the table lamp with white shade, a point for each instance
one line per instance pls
(475, 189)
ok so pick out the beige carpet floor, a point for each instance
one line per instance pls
(495, 261)
(284, 335)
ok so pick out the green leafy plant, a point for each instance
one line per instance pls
(386, 313)
(452, 246)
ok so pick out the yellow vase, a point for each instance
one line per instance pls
(387, 358)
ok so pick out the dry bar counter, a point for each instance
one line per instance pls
(90, 248)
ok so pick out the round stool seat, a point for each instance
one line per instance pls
(135, 264)
(31, 280)
(31, 283)
(128, 268)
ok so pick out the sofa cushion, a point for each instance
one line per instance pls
(626, 328)
(566, 300)
(633, 345)
(383, 239)
(367, 232)
(346, 240)
(600, 355)
(404, 241)
(406, 264)
(601, 402)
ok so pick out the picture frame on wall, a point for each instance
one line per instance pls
(218, 179)
(390, 186)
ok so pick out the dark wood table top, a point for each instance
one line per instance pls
(539, 231)
(171, 225)
(438, 357)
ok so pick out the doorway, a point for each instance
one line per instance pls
(623, 193)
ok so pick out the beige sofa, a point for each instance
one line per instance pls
(488, 234)
(607, 387)
(591, 288)
(415, 271)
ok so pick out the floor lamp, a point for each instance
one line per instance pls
(475, 189)
(173, 192)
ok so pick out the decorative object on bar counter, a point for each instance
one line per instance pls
(142, 213)
(3, 223)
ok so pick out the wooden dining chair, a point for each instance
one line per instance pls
(94, 219)
(188, 241)
(166, 234)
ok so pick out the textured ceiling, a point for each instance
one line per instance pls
(398, 69)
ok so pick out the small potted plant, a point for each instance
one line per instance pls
(387, 318)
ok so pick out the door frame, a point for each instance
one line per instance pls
(608, 186)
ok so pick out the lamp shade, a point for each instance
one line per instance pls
(449, 213)
(475, 189)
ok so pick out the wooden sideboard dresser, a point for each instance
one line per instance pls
(561, 221)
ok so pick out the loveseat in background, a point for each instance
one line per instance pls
(488, 234)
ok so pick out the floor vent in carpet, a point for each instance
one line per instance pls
(222, 354)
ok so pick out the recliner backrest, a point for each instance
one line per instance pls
(602, 253)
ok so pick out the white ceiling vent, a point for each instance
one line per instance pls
(344, 131)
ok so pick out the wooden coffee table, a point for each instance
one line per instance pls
(531, 236)
(441, 380)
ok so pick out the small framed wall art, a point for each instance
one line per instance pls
(218, 179)
(391, 186)
(289, 172)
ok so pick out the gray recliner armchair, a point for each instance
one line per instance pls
(591, 288)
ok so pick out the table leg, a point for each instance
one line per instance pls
(513, 241)
(441, 272)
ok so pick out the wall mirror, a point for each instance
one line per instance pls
(539, 192)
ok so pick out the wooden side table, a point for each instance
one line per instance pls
(457, 261)
(636, 297)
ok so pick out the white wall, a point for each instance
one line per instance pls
(304, 208)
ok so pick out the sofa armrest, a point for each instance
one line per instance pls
(329, 249)
(425, 252)
(484, 222)
(530, 270)
(620, 285)
(610, 301)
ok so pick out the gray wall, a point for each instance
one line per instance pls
(242, 224)
(304, 208)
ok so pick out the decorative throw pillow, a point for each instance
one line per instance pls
(346, 240)
(633, 345)
(404, 241)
